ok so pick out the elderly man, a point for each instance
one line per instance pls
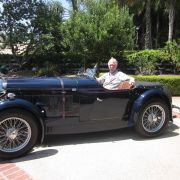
(113, 78)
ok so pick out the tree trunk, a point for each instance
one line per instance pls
(148, 38)
(11, 44)
(157, 32)
(171, 19)
(74, 5)
(121, 3)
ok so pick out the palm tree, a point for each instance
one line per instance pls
(158, 7)
(146, 6)
(143, 5)
(148, 37)
(171, 11)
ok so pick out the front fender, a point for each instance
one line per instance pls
(26, 105)
(142, 99)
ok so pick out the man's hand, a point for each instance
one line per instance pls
(132, 81)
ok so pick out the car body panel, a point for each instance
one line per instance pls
(143, 98)
(7, 104)
(79, 104)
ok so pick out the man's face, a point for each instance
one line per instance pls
(112, 66)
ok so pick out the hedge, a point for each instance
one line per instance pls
(172, 82)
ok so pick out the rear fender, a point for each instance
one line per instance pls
(25, 105)
(141, 100)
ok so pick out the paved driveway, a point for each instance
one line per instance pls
(112, 155)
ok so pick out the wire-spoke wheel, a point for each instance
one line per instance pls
(153, 119)
(18, 133)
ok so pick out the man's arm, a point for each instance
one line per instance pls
(131, 80)
(101, 79)
(125, 77)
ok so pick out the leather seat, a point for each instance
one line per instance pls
(125, 85)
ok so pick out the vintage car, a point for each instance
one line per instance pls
(32, 107)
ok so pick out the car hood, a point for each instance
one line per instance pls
(60, 83)
(47, 83)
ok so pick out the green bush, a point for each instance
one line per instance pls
(146, 61)
(49, 70)
(172, 82)
(172, 50)
(5, 58)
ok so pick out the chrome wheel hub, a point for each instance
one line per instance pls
(11, 133)
(152, 118)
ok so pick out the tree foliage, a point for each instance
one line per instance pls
(48, 22)
(30, 26)
(99, 30)
(172, 50)
(17, 20)
(93, 31)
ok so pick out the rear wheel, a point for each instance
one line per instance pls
(18, 133)
(153, 118)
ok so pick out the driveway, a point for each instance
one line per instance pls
(112, 155)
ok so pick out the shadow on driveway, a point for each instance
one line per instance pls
(33, 155)
(105, 136)
(96, 137)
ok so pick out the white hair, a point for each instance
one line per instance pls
(113, 60)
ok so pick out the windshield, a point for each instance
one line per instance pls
(88, 72)
(2, 85)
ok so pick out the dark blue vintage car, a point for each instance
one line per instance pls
(30, 108)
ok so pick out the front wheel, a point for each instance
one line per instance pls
(18, 133)
(153, 118)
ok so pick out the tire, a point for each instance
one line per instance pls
(18, 133)
(153, 118)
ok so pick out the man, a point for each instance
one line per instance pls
(113, 78)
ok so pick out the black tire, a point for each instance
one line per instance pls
(153, 118)
(18, 133)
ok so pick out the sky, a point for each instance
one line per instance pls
(65, 4)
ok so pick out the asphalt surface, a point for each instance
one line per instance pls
(112, 155)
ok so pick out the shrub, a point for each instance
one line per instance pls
(4, 58)
(172, 50)
(172, 82)
(49, 70)
(146, 61)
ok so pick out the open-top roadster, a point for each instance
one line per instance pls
(33, 107)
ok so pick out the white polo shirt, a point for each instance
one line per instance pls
(112, 80)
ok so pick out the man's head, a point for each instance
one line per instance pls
(112, 64)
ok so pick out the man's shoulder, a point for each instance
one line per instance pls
(120, 72)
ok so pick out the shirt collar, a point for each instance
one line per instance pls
(111, 74)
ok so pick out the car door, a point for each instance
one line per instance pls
(103, 104)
